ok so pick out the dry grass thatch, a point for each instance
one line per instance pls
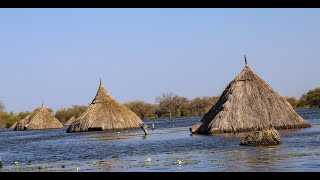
(21, 125)
(44, 120)
(105, 113)
(70, 121)
(13, 125)
(262, 137)
(247, 103)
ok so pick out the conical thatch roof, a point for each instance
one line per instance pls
(70, 121)
(105, 113)
(21, 125)
(13, 125)
(248, 102)
(262, 137)
(44, 120)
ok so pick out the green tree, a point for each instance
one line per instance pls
(65, 114)
(2, 107)
(311, 99)
(8, 119)
(293, 101)
(142, 109)
(201, 105)
(170, 104)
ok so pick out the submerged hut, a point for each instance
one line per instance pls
(43, 119)
(21, 125)
(247, 103)
(70, 121)
(262, 137)
(105, 113)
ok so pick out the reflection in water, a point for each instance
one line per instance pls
(256, 158)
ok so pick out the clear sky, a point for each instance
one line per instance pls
(58, 55)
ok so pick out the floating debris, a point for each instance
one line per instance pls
(118, 132)
(0, 163)
(148, 160)
(16, 163)
(63, 166)
(179, 162)
(94, 163)
(78, 169)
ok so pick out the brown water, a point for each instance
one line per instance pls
(162, 150)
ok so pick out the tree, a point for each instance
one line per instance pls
(201, 105)
(8, 119)
(170, 104)
(65, 114)
(311, 99)
(2, 107)
(142, 109)
(293, 101)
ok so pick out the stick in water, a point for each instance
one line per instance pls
(144, 128)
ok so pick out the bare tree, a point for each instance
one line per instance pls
(2, 107)
(142, 109)
(172, 104)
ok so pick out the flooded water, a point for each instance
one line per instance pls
(169, 147)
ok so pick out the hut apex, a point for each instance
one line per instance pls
(245, 60)
(247, 103)
(105, 113)
(43, 119)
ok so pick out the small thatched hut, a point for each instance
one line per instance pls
(262, 137)
(43, 119)
(105, 113)
(14, 125)
(247, 103)
(21, 125)
(70, 121)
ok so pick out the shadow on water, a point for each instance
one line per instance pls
(168, 147)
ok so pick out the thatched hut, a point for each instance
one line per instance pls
(105, 113)
(247, 103)
(70, 121)
(13, 125)
(43, 119)
(262, 137)
(21, 125)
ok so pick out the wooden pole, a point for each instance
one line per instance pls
(144, 128)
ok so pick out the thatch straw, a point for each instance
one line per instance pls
(105, 113)
(14, 125)
(262, 137)
(44, 120)
(21, 125)
(70, 121)
(247, 103)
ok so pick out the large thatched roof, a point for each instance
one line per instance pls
(105, 113)
(70, 121)
(21, 125)
(43, 119)
(248, 102)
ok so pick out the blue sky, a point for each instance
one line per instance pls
(58, 55)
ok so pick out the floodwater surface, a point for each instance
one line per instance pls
(169, 147)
